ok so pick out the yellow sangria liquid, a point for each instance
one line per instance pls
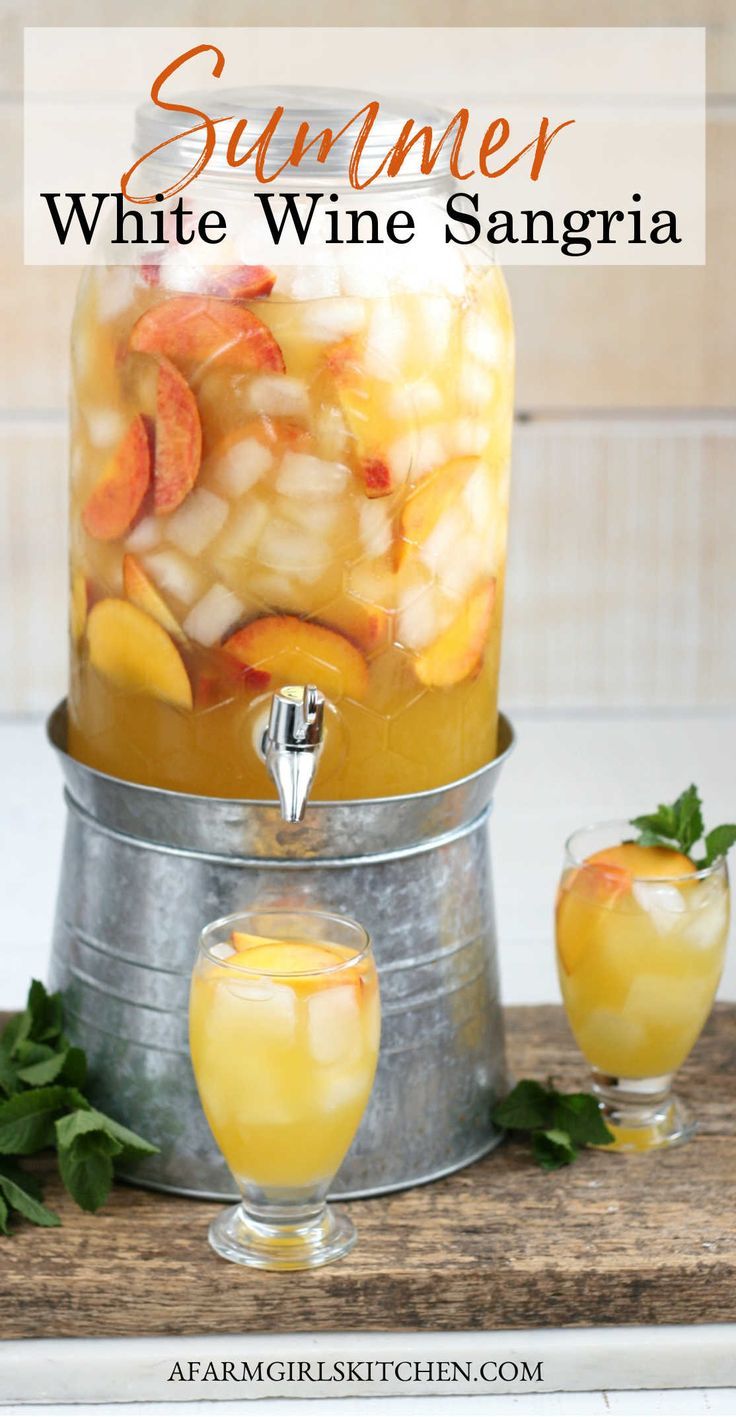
(640, 946)
(284, 1042)
(276, 479)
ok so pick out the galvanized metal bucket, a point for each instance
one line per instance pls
(144, 870)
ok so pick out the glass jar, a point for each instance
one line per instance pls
(293, 474)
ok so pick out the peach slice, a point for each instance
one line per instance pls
(367, 625)
(141, 591)
(221, 677)
(79, 604)
(640, 862)
(310, 965)
(178, 440)
(132, 650)
(458, 651)
(294, 651)
(425, 506)
(192, 330)
(362, 410)
(116, 497)
(242, 282)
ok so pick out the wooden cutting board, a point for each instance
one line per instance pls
(610, 1240)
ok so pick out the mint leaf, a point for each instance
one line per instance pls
(22, 1178)
(553, 1148)
(527, 1107)
(650, 838)
(580, 1117)
(3, 1217)
(85, 1166)
(20, 1198)
(74, 1071)
(16, 1031)
(8, 1079)
(718, 842)
(689, 817)
(130, 1142)
(27, 1120)
(46, 1013)
(39, 1064)
(663, 822)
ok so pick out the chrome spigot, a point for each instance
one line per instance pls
(292, 743)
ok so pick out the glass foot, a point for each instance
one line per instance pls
(642, 1113)
(317, 1240)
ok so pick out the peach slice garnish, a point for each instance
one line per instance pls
(425, 506)
(294, 651)
(132, 650)
(640, 862)
(458, 651)
(116, 497)
(141, 591)
(193, 330)
(304, 961)
(178, 440)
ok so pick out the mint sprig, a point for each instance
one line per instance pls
(558, 1124)
(42, 1106)
(679, 826)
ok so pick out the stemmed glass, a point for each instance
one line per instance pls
(284, 1034)
(639, 960)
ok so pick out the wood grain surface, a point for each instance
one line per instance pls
(610, 1240)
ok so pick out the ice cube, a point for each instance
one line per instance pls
(417, 452)
(608, 1039)
(476, 385)
(243, 529)
(461, 573)
(145, 535)
(285, 548)
(664, 999)
(319, 517)
(340, 1088)
(257, 1009)
(363, 278)
(275, 591)
(326, 321)
(386, 340)
(414, 399)
(375, 527)
(241, 466)
(445, 543)
(706, 923)
(279, 394)
(435, 323)
(482, 339)
(217, 612)
(420, 619)
(313, 282)
(302, 475)
(333, 1023)
(466, 435)
(330, 431)
(105, 426)
(197, 521)
(663, 903)
(175, 575)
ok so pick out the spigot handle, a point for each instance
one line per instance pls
(291, 745)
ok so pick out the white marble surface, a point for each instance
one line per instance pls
(568, 769)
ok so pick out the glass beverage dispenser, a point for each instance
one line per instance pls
(289, 495)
